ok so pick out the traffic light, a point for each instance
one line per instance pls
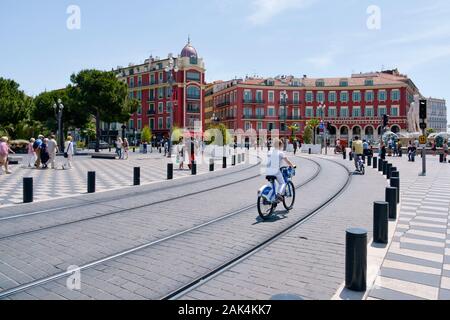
(385, 120)
(423, 109)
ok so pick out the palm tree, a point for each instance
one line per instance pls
(294, 128)
(314, 123)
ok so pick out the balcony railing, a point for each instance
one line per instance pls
(193, 110)
(250, 101)
(223, 104)
(289, 102)
(193, 97)
(151, 112)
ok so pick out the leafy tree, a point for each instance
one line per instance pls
(225, 134)
(430, 131)
(146, 134)
(102, 95)
(294, 128)
(307, 135)
(15, 109)
(314, 123)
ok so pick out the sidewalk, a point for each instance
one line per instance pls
(417, 265)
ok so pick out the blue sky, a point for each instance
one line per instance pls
(319, 38)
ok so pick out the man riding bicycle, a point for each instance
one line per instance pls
(358, 150)
(276, 160)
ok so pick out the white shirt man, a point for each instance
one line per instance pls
(276, 159)
(52, 148)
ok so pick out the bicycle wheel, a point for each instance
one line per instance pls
(289, 198)
(265, 208)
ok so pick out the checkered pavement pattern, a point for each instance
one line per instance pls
(110, 174)
(417, 266)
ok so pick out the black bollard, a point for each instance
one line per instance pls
(344, 154)
(233, 161)
(395, 174)
(224, 162)
(395, 183)
(91, 182)
(134, 149)
(369, 161)
(137, 176)
(375, 162)
(211, 165)
(351, 156)
(391, 198)
(380, 222)
(310, 151)
(388, 170)
(27, 190)
(356, 260)
(194, 168)
(380, 165)
(441, 158)
(169, 171)
(385, 163)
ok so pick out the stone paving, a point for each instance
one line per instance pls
(417, 265)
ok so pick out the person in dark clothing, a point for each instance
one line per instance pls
(45, 155)
(383, 152)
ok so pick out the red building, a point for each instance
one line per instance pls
(150, 84)
(353, 106)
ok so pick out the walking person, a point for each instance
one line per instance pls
(383, 152)
(412, 152)
(445, 148)
(119, 143)
(68, 154)
(52, 151)
(295, 147)
(126, 148)
(5, 150)
(37, 150)
(180, 154)
(31, 155)
(45, 156)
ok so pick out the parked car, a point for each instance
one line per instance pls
(103, 145)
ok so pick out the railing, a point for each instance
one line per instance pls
(191, 110)
(289, 102)
(249, 101)
(193, 97)
(151, 112)
(223, 104)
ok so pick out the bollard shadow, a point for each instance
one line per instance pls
(277, 216)
(379, 245)
(347, 294)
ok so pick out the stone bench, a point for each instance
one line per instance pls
(107, 156)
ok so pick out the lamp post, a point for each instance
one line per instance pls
(170, 69)
(322, 109)
(59, 107)
(284, 115)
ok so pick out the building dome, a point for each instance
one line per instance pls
(189, 51)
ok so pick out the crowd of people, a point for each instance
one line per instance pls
(42, 152)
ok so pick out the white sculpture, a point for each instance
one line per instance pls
(413, 115)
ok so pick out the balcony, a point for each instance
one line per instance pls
(151, 112)
(151, 99)
(249, 101)
(223, 104)
(193, 97)
(260, 117)
(193, 110)
(230, 118)
(289, 102)
(248, 117)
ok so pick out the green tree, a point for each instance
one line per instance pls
(430, 131)
(15, 108)
(294, 128)
(102, 95)
(307, 135)
(313, 123)
(225, 134)
(146, 134)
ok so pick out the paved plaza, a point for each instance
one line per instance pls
(147, 242)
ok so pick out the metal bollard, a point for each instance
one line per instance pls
(194, 168)
(351, 156)
(369, 161)
(310, 151)
(91, 182)
(344, 155)
(169, 171)
(356, 260)
(388, 170)
(441, 158)
(375, 162)
(380, 165)
(391, 198)
(395, 174)
(385, 163)
(27, 190)
(224, 162)
(233, 161)
(380, 222)
(137, 176)
(395, 183)
(211, 165)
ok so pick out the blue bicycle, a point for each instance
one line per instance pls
(267, 195)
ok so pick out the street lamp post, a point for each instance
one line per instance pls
(59, 107)
(322, 109)
(170, 69)
(285, 96)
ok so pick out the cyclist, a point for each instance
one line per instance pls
(358, 150)
(276, 159)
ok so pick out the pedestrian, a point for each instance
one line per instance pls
(68, 154)
(31, 155)
(192, 153)
(52, 151)
(119, 143)
(180, 154)
(126, 147)
(445, 148)
(383, 152)
(295, 146)
(146, 148)
(400, 149)
(434, 148)
(37, 149)
(45, 156)
(5, 150)
(412, 152)
(166, 147)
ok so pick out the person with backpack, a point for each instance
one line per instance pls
(4, 152)
(68, 153)
(45, 156)
(37, 150)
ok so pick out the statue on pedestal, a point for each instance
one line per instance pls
(413, 116)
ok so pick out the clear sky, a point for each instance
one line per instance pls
(318, 38)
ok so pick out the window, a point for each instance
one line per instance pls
(271, 111)
(193, 60)
(152, 79)
(320, 113)
(169, 106)
(309, 112)
(168, 123)
(260, 112)
(131, 95)
(382, 95)
(296, 97)
(394, 112)
(382, 111)
(152, 124)
(160, 107)
(271, 97)
(332, 97)
(356, 112)
(139, 110)
(259, 126)
(369, 96)
(248, 113)
(139, 96)
(332, 112)
(309, 97)
(140, 81)
(271, 126)
(356, 96)
(259, 95)
(248, 126)
(320, 83)
(343, 83)
(395, 95)
(344, 112)
(368, 82)
(296, 113)
(247, 95)
(131, 82)
(139, 124)
(344, 96)
(160, 123)
(369, 112)
(320, 96)
(160, 93)
(161, 77)
(190, 75)
(131, 124)
(193, 92)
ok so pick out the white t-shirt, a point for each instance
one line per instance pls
(275, 161)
